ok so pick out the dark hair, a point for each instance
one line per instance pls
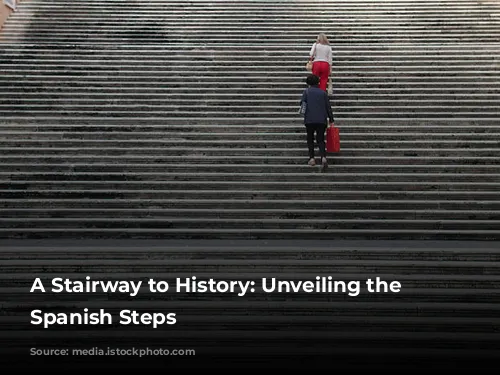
(312, 80)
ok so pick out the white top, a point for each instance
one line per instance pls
(323, 53)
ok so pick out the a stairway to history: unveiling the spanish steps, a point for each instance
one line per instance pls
(179, 120)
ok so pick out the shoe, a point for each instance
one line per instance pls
(312, 162)
(324, 164)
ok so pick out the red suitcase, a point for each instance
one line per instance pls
(332, 139)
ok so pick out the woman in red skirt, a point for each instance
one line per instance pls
(321, 58)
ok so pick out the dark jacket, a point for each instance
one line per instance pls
(318, 108)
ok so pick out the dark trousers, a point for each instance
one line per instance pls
(319, 129)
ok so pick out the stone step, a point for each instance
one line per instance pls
(93, 183)
(324, 260)
(215, 72)
(263, 152)
(172, 49)
(463, 34)
(295, 71)
(340, 68)
(438, 255)
(206, 50)
(77, 24)
(239, 195)
(367, 38)
(282, 16)
(186, 337)
(291, 85)
(447, 17)
(247, 4)
(466, 37)
(351, 233)
(311, 262)
(22, 171)
(28, 57)
(212, 16)
(200, 16)
(212, 115)
(294, 85)
(161, 189)
(254, 12)
(292, 89)
(153, 6)
(357, 57)
(86, 178)
(182, 48)
(117, 101)
(467, 30)
(321, 266)
(266, 163)
(268, 108)
(344, 96)
(293, 122)
(200, 22)
(283, 125)
(344, 268)
(140, 26)
(435, 129)
(286, 127)
(206, 223)
(468, 162)
(196, 145)
(243, 93)
(285, 99)
(187, 48)
(264, 137)
(237, 4)
(137, 31)
(347, 250)
(248, 211)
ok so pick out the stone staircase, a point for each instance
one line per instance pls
(173, 119)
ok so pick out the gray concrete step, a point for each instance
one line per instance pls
(341, 96)
(264, 151)
(288, 104)
(433, 231)
(161, 190)
(251, 211)
(25, 171)
(460, 128)
(93, 156)
(194, 145)
(241, 196)
(151, 224)
(293, 122)
(296, 136)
